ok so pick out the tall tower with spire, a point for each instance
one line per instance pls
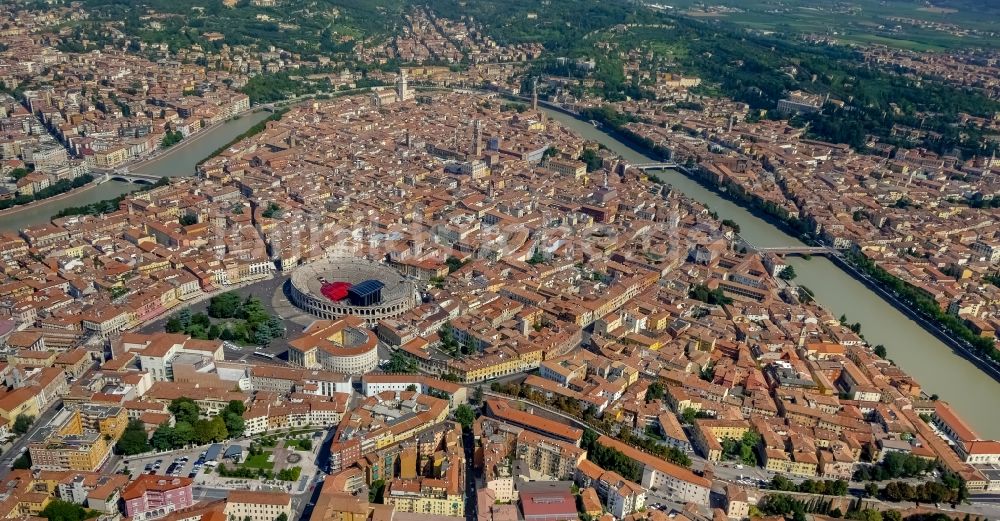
(402, 91)
(477, 138)
(534, 94)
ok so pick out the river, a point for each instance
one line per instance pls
(935, 365)
(177, 161)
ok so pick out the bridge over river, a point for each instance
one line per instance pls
(132, 177)
(798, 249)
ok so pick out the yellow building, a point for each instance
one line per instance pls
(111, 157)
(571, 167)
(708, 435)
(18, 402)
(107, 420)
(340, 506)
(779, 461)
(495, 362)
(33, 503)
(424, 496)
(32, 358)
(408, 462)
(26, 493)
(67, 445)
(74, 250)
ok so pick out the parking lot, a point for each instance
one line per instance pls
(182, 463)
(200, 463)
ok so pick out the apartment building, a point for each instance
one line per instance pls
(257, 505)
(66, 444)
(151, 496)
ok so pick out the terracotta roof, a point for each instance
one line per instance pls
(145, 482)
(657, 464)
(259, 497)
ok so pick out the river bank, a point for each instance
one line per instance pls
(929, 325)
(35, 204)
(797, 228)
(178, 160)
(76, 192)
(150, 162)
(847, 266)
(941, 368)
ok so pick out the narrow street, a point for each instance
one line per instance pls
(468, 443)
(15, 451)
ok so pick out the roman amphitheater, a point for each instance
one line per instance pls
(397, 294)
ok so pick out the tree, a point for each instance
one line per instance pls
(465, 415)
(163, 437)
(262, 336)
(839, 488)
(218, 429)
(235, 425)
(213, 430)
(171, 138)
(133, 440)
(272, 211)
(173, 325)
(894, 465)
(453, 263)
(226, 305)
(469, 346)
(713, 297)
(236, 407)
(592, 159)
(895, 515)
(871, 489)
(688, 415)
(610, 458)
(22, 423)
(788, 273)
(277, 327)
(897, 491)
(707, 373)
(880, 351)
(654, 392)
(23, 461)
(376, 492)
(59, 510)
(184, 316)
(183, 434)
(202, 431)
(281, 517)
(400, 363)
(291, 474)
(184, 410)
